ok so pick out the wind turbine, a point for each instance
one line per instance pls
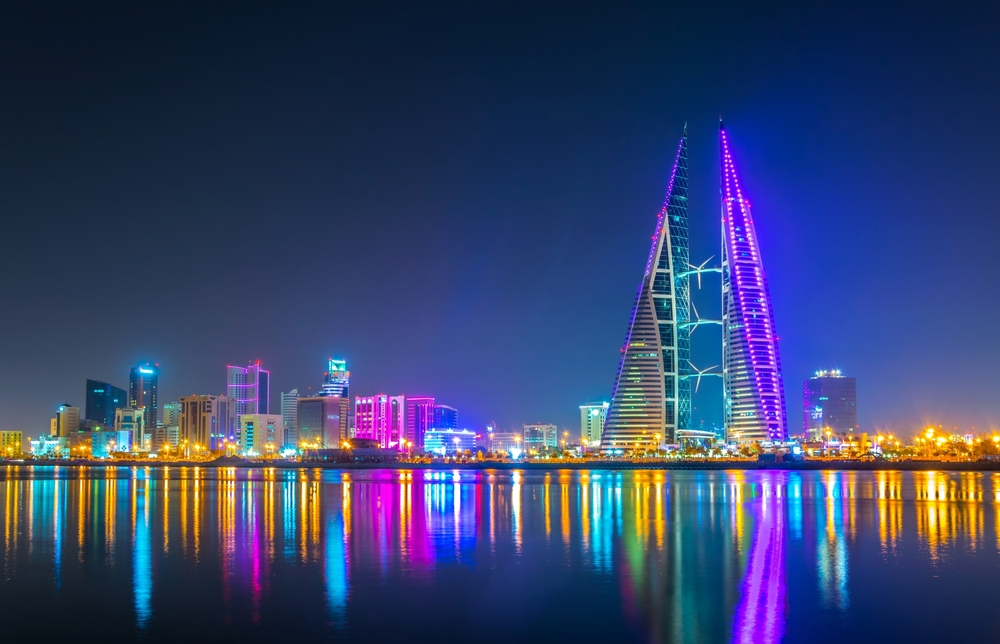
(699, 269)
(702, 372)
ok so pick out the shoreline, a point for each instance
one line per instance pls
(801, 466)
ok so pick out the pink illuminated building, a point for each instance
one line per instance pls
(380, 418)
(419, 418)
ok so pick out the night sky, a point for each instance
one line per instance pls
(459, 199)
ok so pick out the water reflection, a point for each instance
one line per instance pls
(678, 557)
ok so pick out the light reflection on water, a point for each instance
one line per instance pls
(736, 556)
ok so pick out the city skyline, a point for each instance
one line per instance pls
(504, 194)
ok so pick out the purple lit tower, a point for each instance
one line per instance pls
(751, 368)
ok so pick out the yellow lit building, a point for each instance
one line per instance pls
(11, 443)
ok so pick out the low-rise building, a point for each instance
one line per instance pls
(444, 442)
(539, 437)
(11, 443)
(261, 434)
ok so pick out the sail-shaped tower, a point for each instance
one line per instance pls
(651, 400)
(754, 396)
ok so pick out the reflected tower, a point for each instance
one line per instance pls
(751, 369)
(650, 398)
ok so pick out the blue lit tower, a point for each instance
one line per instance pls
(650, 398)
(751, 369)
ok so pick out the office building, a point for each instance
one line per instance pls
(66, 422)
(142, 391)
(132, 423)
(419, 418)
(446, 442)
(102, 400)
(261, 434)
(652, 393)
(206, 424)
(592, 416)
(50, 447)
(290, 415)
(321, 422)
(103, 443)
(445, 417)
(11, 443)
(539, 437)
(249, 389)
(336, 380)
(753, 392)
(380, 418)
(171, 414)
(508, 442)
(829, 403)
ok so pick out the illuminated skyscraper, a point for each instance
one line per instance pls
(290, 416)
(829, 402)
(650, 397)
(142, 384)
(336, 380)
(249, 389)
(751, 368)
(445, 417)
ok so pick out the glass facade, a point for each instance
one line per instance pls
(754, 395)
(102, 401)
(652, 397)
(142, 385)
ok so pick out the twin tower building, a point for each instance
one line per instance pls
(651, 401)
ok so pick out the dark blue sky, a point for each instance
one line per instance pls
(459, 199)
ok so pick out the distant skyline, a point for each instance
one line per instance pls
(457, 200)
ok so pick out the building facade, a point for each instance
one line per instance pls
(446, 442)
(249, 389)
(445, 417)
(753, 392)
(261, 434)
(143, 382)
(171, 414)
(132, 423)
(419, 419)
(207, 423)
(829, 403)
(101, 402)
(321, 422)
(11, 443)
(290, 415)
(592, 417)
(651, 394)
(336, 380)
(66, 422)
(381, 418)
(507, 442)
(539, 437)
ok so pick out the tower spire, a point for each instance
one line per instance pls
(753, 389)
(649, 399)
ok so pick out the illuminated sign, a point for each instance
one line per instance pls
(141, 370)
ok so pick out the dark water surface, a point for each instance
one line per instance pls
(189, 554)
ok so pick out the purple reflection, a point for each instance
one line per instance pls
(760, 615)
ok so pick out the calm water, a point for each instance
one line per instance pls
(203, 554)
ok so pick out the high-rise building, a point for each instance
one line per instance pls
(142, 394)
(101, 402)
(336, 380)
(445, 417)
(829, 403)
(321, 421)
(380, 418)
(261, 434)
(290, 415)
(419, 418)
(249, 388)
(66, 422)
(206, 423)
(11, 443)
(754, 396)
(592, 416)
(652, 395)
(540, 436)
